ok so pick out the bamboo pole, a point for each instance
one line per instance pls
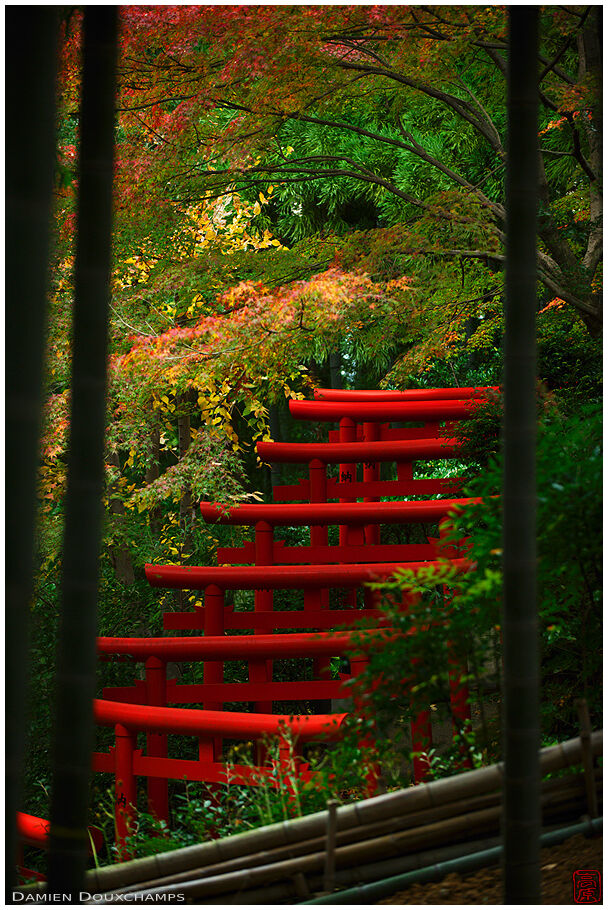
(585, 725)
(551, 790)
(283, 892)
(465, 864)
(521, 823)
(445, 832)
(76, 661)
(367, 884)
(352, 857)
(286, 833)
(31, 64)
(329, 873)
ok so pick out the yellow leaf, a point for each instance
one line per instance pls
(257, 208)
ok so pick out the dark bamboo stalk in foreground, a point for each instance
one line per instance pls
(31, 63)
(73, 733)
(521, 816)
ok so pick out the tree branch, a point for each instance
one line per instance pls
(458, 105)
(486, 116)
(417, 149)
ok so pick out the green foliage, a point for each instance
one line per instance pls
(201, 812)
(411, 671)
(569, 560)
(569, 359)
(462, 615)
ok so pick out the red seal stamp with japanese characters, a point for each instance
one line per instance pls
(587, 884)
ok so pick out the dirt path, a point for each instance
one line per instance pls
(484, 887)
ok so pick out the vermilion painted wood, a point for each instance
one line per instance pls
(326, 513)
(337, 452)
(269, 620)
(427, 430)
(225, 693)
(382, 410)
(251, 648)
(29, 875)
(334, 489)
(198, 722)
(350, 553)
(271, 691)
(127, 762)
(215, 772)
(156, 743)
(196, 770)
(263, 619)
(255, 649)
(235, 647)
(34, 831)
(369, 443)
(251, 578)
(460, 394)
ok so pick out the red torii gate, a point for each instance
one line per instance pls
(359, 525)
(318, 487)
(126, 762)
(431, 411)
(213, 693)
(368, 421)
(365, 436)
(352, 517)
(463, 393)
(214, 618)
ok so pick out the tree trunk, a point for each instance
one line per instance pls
(152, 474)
(31, 61)
(335, 370)
(275, 432)
(74, 727)
(121, 557)
(184, 437)
(521, 793)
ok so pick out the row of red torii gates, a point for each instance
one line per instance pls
(367, 436)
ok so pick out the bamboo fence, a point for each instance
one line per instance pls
(384, 835)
